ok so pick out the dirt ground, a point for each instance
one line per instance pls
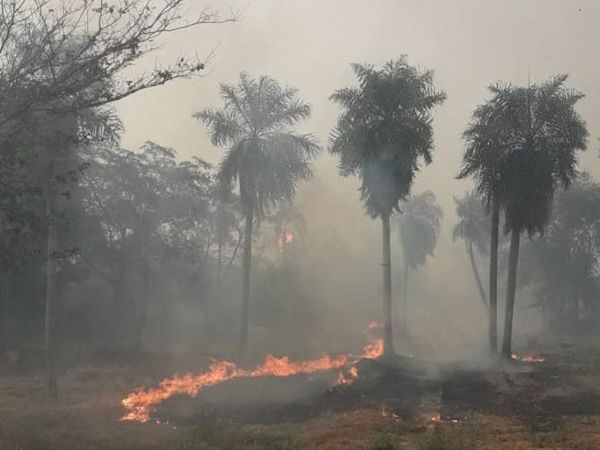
(555, 405)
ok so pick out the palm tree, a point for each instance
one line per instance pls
(382, 135)
(534, 134)
(473, 229)
(264, 154)
(488, 137)
(546, 136)
(419, 226)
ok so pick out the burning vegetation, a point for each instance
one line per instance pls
(152, 255)
(141, 403)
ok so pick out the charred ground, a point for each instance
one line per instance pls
(406, 402)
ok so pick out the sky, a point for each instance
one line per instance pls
(309, 45)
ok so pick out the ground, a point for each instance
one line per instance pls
(554, 406)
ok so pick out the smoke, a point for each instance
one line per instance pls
(309, 45)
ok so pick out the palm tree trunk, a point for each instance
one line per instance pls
(493, 303)
(482, 295)
(219, 257)
(404, 318)
(3, 302)
(246, 262)
(513, 261)
(50, 307)
(388, 345)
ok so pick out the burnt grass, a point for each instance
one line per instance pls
(534, 393)
(271, 400)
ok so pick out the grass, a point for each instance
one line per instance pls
(446, 439)
(384, 441)
(229, 436)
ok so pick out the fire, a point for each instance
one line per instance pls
(347, 376)
(141, 403)
(528, 357)
(286, 238)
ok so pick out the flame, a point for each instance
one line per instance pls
(285, 238)
(347, 376)
(141, 403)
(528, 357)
(437, 417)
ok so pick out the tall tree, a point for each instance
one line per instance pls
(419, 227)
(473, 229)
(546, 137)
(148, 206)
(488, 137)
(382, 135)
(539, 133)
(264, 154)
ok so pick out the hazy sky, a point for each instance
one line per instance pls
(309, 44)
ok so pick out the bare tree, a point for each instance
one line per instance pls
(71, 55)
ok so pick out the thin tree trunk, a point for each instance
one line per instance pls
(247, 258)
(493, 303)
(233, 256)
(219, 257)
(388, 344)
(404, 318)
(50, 309)
(513, 261)
(3, 302)
(142, 313)
(480, 288)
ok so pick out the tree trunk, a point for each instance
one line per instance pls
(219, 257)
(50, 309)
(480, 288)
(493, 303)
(404, 317)
(513, 261)
(388, 344)
(143, 305)
(3, 302)
(246, 280)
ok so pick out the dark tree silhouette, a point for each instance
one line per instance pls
(382, 135)
(522, 145)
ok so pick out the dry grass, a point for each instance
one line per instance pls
(86, 417)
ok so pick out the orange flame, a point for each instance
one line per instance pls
(528, 357)
(141, 403)
(286, 238)
(347, 376)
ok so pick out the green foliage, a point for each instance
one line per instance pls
(385, 131)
